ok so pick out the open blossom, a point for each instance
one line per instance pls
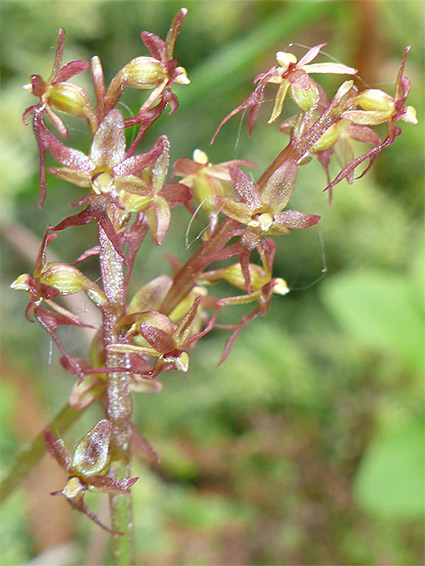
(156, 72)
(293, 76)
(377, 107)
(57, 94)
(207, 180)
(262, 211)
(106, 165)
(158, 336)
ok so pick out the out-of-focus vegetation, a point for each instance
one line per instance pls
(306, 446)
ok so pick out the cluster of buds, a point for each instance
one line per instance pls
(127, 195)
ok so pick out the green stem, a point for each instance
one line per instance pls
(119, 407)
(30, 456)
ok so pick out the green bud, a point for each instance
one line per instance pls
(69, 280)
(68, 98)
(305, 99)
(143, 73)
(329, 137)
(91, 456)
(374, 99)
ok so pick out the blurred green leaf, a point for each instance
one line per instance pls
(377, 309)
(390, 481)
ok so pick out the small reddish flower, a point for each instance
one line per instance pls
(87, 468)
(157, 72)
(262, 211)
(56, 93)
(206, 180)
(377, 107)
(293, 76)
(51, 280)
(156, 335)
(147, 192)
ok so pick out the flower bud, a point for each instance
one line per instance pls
(143, 73)
(91, 454)
(181, 78)
(374, 99)
(305, 99)
(68, 280)
(329, 137)
(68, 98)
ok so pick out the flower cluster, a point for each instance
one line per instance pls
(127, 195)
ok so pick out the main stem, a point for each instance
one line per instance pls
(119, 407)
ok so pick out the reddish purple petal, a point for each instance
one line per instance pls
(143, 445)
(310, 55)
(105, 483)
(363, 134)
(59, 53)
(295, 220)
(135, 164)
(155, 44)
(69, 70)
(72, 158)
(299, 79)
(176, 193)
(246, 188)
(392, 133)
(173, 32)
(56, 448)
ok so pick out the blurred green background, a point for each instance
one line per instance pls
(306, 446)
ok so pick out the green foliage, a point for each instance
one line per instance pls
(389, 482)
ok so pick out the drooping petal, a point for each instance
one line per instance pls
(110, 485)
(278, 101)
